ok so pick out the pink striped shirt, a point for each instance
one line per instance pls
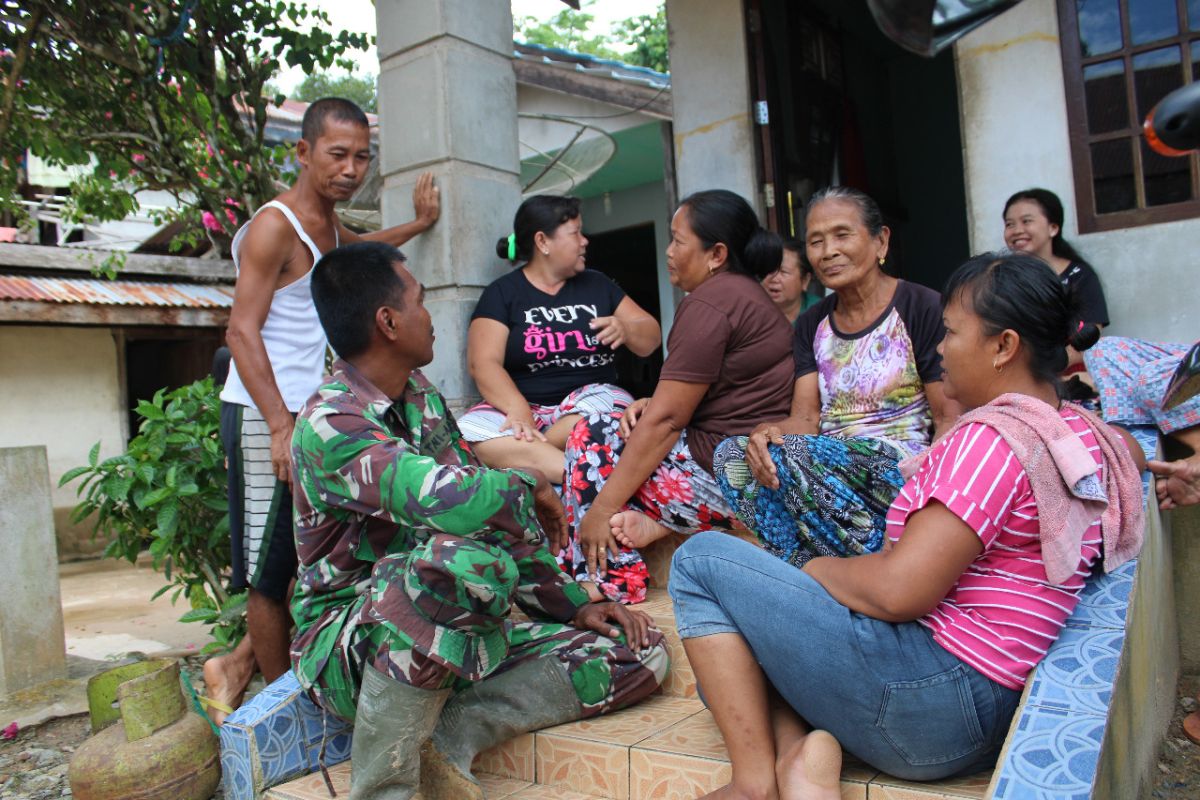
(1002, 615)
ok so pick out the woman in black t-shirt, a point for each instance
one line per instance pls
(1033, 221)
(540, 346)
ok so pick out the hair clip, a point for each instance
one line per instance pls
(512, 247)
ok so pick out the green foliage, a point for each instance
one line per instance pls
(360, 89)
(647, 35)
(166, 493)
(566, 30)
(159, 94)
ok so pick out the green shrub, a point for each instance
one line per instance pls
(166, 494)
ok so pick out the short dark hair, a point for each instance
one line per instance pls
(1020, 292)
(312, 126)
(793, 245)
(542, 213)
(1052, 207)
(718, 215)
(349, 284)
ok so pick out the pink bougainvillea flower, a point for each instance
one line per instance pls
(10, 732)
(139, 158)
(210, 221)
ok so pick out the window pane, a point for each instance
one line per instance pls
(1151, 20)
(1104, 94)
(1099, 26)
(1196, 57)
(1112, 176)
(1168, 180)
(1194, 15)
(1155, 75)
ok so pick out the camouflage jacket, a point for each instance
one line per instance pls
(373, 477)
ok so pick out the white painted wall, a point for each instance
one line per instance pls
(61, 390)
(710, 96)
(1014, 123)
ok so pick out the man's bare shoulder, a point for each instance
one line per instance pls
(268, 242)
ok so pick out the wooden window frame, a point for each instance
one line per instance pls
(1081, 140)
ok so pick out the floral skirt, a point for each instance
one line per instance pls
(832, 499)
(679, 495)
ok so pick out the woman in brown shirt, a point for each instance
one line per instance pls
(635, 476)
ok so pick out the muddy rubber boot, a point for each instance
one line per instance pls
(393, 721)
(534, 695)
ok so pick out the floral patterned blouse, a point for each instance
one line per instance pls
(873, 382)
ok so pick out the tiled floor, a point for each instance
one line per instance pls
(666, 748)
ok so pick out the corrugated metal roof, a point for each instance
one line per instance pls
(118, 293)
(602, 67)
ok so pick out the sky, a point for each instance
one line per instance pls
(359, 16)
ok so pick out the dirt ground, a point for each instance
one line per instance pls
(1178, 775)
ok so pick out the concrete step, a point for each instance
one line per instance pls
(667, 747)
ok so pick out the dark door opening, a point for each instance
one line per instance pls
(628, 256)
(165, 358)
(847, 106)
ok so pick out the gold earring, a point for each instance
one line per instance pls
(881, 261)
(998, 367)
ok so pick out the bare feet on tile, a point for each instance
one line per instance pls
(732, 792)
(634, 529)
(811, 769)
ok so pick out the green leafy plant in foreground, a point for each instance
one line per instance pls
(166, 494)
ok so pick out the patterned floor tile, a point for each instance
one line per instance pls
(697, 735)
(1078, 672)
(536, 792)
(589, 767)
(1052, 756)
(632, 725)
(670, 776)
(972, 787)
(312, 787)
(497, 788)
(681, 680)
(513, 759)
(1104, 601)
(658, 605)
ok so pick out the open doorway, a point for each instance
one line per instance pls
(165, 358)
(847, 106)
(628, 256)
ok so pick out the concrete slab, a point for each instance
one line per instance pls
(109, 619)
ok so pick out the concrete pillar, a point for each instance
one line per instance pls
(32, 647)
(710, 94)
(448, 103)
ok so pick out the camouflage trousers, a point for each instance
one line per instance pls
(606, 674)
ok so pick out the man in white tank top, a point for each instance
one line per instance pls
(278, 352)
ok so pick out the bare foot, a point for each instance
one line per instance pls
(634, 529)
(731, 792)
(811, 769)
(226, 678)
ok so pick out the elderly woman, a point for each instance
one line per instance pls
(540, 346)
(635, 476)
(914, 658)
(788, 286)
(867, 393)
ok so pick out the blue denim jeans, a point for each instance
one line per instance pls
(890, 694)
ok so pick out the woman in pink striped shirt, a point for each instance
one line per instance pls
(913, 659)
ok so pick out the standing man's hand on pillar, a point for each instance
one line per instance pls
(427, 202)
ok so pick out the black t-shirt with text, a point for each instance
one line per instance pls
(551, 349)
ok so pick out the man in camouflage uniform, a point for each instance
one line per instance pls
(411, 555)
